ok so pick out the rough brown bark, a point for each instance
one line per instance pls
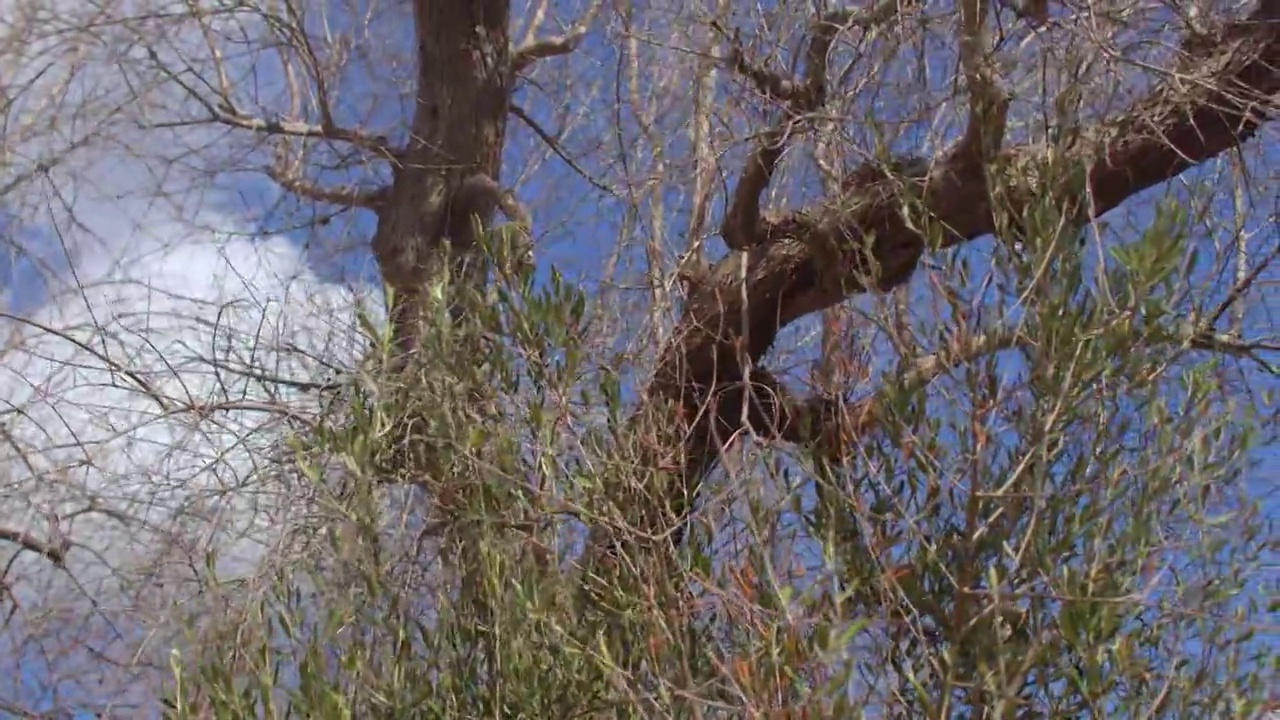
(812, 258)
(456, 132)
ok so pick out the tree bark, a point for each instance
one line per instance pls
(457, 132)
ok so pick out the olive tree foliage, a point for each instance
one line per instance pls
(905, 359)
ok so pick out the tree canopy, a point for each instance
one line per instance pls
(572, 358)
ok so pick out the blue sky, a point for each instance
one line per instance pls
(577, 225)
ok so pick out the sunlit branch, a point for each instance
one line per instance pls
(293, 182)
(224, 112)
(56, 553)
(534, 50)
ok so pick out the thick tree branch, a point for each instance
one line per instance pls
(457, 131)
(726, 329)
(478, 195)
(1178, 128)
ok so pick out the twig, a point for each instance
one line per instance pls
(554, 144)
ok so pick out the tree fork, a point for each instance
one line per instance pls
(727, 329)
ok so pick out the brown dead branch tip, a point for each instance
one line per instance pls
(711, 366)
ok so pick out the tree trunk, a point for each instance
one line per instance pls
(446, 177)
(457, 132)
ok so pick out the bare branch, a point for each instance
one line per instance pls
(551, 142)
(274, 380)
(293, 128)
(293, 182)
(138, 379)
(742, 227)
(534, 50)
(835, 427)
(224, 111)
(55, 553)
(1230, 344)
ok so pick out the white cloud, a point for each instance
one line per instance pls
(96, 383)
(166, 487)
(93, 387)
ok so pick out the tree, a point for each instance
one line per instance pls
(1011, 516)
